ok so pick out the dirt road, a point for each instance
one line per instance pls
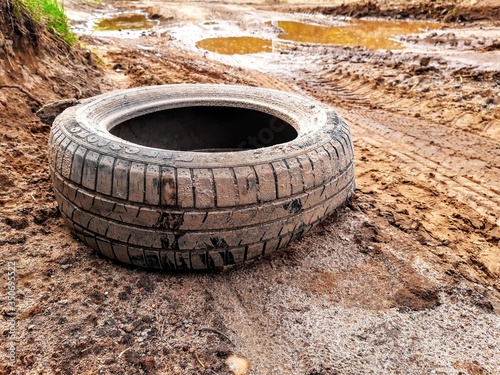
(404, 279)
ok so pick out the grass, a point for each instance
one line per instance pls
(51, 14)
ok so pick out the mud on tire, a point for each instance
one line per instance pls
(150, 176)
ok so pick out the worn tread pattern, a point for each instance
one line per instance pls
(170, 210)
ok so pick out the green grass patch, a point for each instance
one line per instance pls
(51, 14)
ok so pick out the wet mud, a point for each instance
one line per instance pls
(404, 278)
(446, 11)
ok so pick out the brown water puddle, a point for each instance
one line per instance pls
(134, 21)
(372, 34)
(236, 45)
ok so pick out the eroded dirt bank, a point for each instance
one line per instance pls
(404, 279)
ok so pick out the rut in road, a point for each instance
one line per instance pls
(431, 161)
(444, 157)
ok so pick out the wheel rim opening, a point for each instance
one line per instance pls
(206, 129)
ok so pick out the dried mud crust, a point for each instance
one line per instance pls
(167, 209)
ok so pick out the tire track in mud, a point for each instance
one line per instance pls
(445, 178)
(463, 98)
(455, 171)
(448, 111)
(462, 165)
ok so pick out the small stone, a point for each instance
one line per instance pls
(238, 365)
(480, 289)
(123, 296)
(128, 328)
(148, 363)
(30, 327)
(414, 225)
(50, 111)
(9, 47)
(56, 89)
(424, 61)
(29, 360)
(65, 266)
(63, 302)
(132, 356)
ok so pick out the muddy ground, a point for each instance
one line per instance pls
(403, 279)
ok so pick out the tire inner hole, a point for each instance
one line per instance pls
(206, 129)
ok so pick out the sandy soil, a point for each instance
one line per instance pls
(403, 279)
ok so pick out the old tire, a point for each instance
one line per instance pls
(167, 209)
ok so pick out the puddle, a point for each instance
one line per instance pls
(134, 21)
(372, 34)
(238, 45)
